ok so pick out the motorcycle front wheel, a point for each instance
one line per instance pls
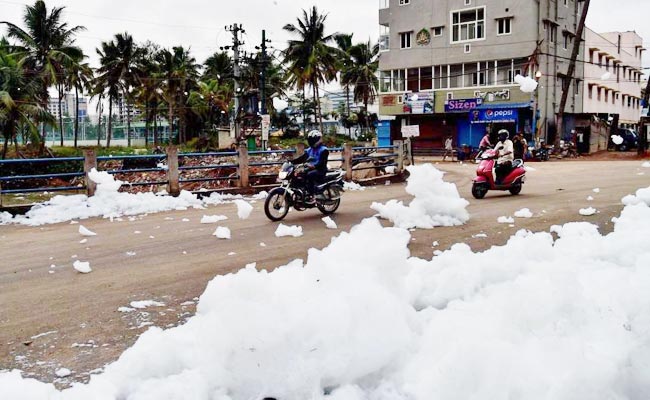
(276, 205)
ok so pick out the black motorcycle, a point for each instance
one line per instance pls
(293, 193)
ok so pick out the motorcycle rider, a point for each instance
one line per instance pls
(315, 160)
(505, 150)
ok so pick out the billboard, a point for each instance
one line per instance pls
(493, 115)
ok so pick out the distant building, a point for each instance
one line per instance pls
(68, 106)
(120, 110)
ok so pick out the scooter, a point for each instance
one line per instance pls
(486, 176)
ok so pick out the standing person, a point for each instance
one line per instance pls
(505, 149)
(518, 147)
(449, 149)
(315, 159)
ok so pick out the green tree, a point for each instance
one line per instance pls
(79, 77)
(107, 82)
(362, 73)
(148, 94)
(310, 60)
(344, 44)
(219, 67)
(44, 47)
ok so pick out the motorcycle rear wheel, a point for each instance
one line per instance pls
(276, 206)
(330, 207)
(515, 190)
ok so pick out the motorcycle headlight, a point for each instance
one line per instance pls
(283, 175)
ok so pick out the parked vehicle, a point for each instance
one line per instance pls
(486, 176)
(540, 154)
(293, 193)
(630, 140)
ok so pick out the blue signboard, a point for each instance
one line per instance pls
(493, 115)
(462, 105)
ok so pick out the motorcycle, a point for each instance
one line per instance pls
(486, 176)
(293, 193)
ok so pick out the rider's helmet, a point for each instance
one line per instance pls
(314, 138)
(503, 134)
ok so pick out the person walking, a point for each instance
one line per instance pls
(449, 149)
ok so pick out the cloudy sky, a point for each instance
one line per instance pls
(200, 23)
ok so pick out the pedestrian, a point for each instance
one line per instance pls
(518, 147)
(449, 149)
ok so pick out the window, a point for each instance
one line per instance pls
(426, 78)
(384, 38)
(512, 74)
(504, 26)
(478, 78)
(384, 81)
(413, 80)
(565, 44)
(566, 3)
(468, 25)
(468, 48)
(405, 40)
(468, 2)
(598, 93)
(552, 34)
(399, 78)
(590, 88)
(450, 95)
(437, 30)
(404, 2)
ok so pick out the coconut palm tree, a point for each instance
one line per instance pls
(44, 47)
(148, 94)
(361, 73)
(107, 82)
(219, 67)
(17, 107)
(309, 58)
(79, 77)
(180, 73)
(344, 44)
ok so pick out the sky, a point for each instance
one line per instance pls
(201, 24)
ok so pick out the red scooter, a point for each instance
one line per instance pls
(486, 176)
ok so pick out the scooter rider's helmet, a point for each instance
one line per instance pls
(314, 138)
(503, 135)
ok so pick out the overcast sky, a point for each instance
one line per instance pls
(200, 23)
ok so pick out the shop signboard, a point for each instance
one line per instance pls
(462, 105)
(410, 131)
(493, 115)
(418, 103)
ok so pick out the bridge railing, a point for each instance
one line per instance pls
(178, 171)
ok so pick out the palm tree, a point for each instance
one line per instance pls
(148, 92)
(45, 47)
(362, 73)
(218, 66)
(107, 83)
(344, 44)
(210, 100)
(309, 58)
(16, 101)
(79, 77)
(180, 72)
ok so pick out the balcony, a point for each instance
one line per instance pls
(384, 16)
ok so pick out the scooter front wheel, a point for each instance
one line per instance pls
(479, 190)
(515, 189)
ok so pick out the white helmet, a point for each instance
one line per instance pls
(314, 138)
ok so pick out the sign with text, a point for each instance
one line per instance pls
(388, 100)
(462, 105)
(493, 115)
(418, 103)
(410, 131)
(266, 126)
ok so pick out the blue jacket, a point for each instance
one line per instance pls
(315, 157)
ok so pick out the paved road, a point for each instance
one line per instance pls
(174, 260)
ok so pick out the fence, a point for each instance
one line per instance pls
(239, 167)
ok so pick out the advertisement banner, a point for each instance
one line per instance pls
(493, 115)
(418, 103)
(462, 105)
(266, 125)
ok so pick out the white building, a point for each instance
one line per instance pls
(68, 106)
(613, 71)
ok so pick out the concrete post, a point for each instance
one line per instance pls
(400, 155)
(300, 149)
(0, 193)
(173, 184)
(243, 165)
(347, 161)
(90, 162)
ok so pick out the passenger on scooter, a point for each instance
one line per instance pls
(315, 159)
(485, 142)
(505, 151)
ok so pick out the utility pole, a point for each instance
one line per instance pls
(235, 29)
(566, 82)
(263, 109)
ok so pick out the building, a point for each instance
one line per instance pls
(449, 66)
(613, 71)
(68, 106)
(121, 112)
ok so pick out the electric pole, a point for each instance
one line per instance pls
(235, 29)
(566, 82)
(263, 110)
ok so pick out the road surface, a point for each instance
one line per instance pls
(56, 317)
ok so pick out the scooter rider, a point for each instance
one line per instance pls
(505, 151)
(315, 159)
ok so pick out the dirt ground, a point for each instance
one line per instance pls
(55, 317)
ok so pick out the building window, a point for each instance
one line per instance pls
(598, 93)
(468, 25)
(413, 80)
(552, 34)
(512, 74)
(478, 78)
(450, 95)
(468, 2)
(468, 48)
(437, 30)
(399, 80)
(405, 40)
(384, 38)
(384, 81)
(426, 78)
(589, 91)
(566, 3)
(565, 44)
(504, 26)
(404, 2)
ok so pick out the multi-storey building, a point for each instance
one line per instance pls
(121, 110)
(449, 66)
(68, 106)
(612, 82)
